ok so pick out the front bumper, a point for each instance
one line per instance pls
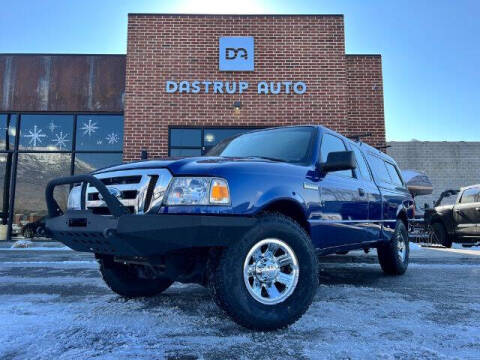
(123, 234)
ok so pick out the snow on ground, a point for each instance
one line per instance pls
(58, 308)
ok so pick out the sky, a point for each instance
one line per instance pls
(430, 49)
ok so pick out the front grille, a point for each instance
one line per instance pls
(136, 188)
(122, 180)
(127, 194)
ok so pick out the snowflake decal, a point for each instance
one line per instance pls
(52, 126)
(35, 136)
(112, 138)
(60, 140)
(89, 128)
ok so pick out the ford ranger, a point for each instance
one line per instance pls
(248, 220)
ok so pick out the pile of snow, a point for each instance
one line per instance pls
(21, 244)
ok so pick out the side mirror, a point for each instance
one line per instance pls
(339, 160)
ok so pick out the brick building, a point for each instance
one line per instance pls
(186, 83)
(344, 92)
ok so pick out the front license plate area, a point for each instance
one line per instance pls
(77, 222)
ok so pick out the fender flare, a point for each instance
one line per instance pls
(278, 194)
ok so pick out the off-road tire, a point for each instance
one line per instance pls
(441, 234)
(390, 260)
(124, 280)
(212, 264)
(231, 292)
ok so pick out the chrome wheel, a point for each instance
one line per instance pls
(270, 271)
(401, 247)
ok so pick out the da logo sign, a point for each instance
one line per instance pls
(236, 53)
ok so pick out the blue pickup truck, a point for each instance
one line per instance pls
(248, 220)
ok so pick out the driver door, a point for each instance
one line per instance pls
(466, 213)
(343, 216)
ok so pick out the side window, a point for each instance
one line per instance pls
(380, 172)
(362, 167)
(394, 175)
(469, 196)
(330, 144)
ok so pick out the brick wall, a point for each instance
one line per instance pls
(450, 165)
(365, 97)
(287, 48)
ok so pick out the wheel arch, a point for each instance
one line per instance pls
(446, 224)
(290, 208)
(402, 216)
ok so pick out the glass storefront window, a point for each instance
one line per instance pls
(189, 141)
(186, 137)
(85, 163)
(34, 171)
(185, 152)
(99, 133)
(45, 151)
(46, 132)
(212, 137)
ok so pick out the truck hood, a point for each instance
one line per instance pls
(204, 166)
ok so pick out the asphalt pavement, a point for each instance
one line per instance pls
(53, 304)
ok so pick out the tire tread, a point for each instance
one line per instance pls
(221, 296)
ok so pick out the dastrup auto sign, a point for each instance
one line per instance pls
(235, 53)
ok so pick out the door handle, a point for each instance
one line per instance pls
(361, 192)
(477, 208)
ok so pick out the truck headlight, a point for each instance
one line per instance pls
(74, 201)
(198, 191)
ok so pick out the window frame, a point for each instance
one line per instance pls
(475, 197)
(336, 173)
(369, 170)
(376, 178)
(397, 170)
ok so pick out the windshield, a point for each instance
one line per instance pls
(285, 144)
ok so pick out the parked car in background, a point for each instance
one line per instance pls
(34, 229)
(247, 220)
(458, 222)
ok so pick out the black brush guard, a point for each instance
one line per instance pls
(129, 235)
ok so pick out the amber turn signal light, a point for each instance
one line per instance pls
(219, 193)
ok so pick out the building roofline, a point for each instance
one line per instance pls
(369, 55)
(57, 54)
(239, 15)
(433, 142)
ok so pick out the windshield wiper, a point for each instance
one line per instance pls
(266, 158)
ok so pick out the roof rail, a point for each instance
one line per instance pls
(358, 137)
